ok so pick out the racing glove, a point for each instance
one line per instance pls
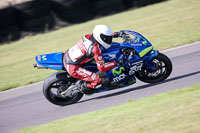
(118, 34)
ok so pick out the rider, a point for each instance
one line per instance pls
(85, 50)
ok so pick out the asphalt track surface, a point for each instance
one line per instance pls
(26, 106)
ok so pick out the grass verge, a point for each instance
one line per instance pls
(177, 111)
(167, 24)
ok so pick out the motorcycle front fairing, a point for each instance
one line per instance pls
(143, 48)
(142, 58)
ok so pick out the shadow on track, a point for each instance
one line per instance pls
(143, 86)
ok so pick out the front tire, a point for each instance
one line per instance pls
(163, 67)
(51, 89)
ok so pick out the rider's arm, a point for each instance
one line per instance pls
(101, 65)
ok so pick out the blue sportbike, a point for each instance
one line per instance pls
(140, 61)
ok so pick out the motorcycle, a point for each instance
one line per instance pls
(140, 61)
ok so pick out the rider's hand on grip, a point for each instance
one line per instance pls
(118, 34)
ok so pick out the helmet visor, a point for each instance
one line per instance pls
(106, 39)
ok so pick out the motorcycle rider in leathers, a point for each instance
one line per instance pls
(87, 48)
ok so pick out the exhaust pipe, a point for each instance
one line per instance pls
(38, 66)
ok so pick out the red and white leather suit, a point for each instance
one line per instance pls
(85, 50)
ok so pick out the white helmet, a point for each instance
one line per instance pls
(103, 34)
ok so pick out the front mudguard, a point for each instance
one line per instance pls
(148, 64)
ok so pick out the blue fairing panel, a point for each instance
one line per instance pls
(53, 60)
(112, 53)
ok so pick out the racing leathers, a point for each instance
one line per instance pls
(85, 50)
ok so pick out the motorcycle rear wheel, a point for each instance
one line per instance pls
(51, 89)
(163, 67)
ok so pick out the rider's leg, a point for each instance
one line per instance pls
(84, 74)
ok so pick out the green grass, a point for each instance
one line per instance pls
(167, 24)
(177, 111)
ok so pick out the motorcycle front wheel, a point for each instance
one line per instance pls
(163, 68)
(52, 89)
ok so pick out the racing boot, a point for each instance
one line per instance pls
(85, 89)
(105, 82)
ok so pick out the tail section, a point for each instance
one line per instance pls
(52, 61)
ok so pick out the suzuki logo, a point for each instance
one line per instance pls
(112, 56)
(44, 57)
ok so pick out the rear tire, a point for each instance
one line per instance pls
(163, 70)
(52, 82)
